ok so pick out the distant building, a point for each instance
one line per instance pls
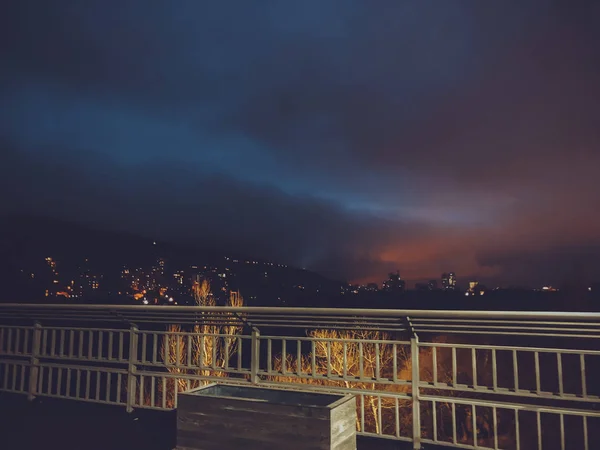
(394, 283)
(449, 281)
(432, 285)
(475, 289)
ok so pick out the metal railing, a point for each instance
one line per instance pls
(463, 379)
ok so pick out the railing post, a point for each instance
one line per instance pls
(255, 356)
(131, 369)
(416, 404)
(34, 362)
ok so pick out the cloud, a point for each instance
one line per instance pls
(336, 135)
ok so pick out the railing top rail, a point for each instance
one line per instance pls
(541, 324)
(287, 311)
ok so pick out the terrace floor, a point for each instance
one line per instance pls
(71, 425)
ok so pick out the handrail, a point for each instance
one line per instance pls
(581, 325)
(270, 310)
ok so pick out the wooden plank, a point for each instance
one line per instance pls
(198, 403)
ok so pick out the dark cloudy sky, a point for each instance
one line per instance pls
(350, 137)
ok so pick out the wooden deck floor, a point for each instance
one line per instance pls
(70, 425)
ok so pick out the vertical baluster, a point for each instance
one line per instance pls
(80, 349)
(269, 356)
(361, 371)
(88, 384)
(538, 382)
(583, 377)
(144, 346)
(34, 369)
(40, 380)
(119, 383)
(22, 385)
(494, 370)
(214, 352)
(362, 412)
(132, 367)
(560, 374)
(454, 423)
(495, 419)
(454, 368)
(345, 360)
(313, 359)
(434, 419)
(59, 381)
(474, 366)
(71, 342)
(166, 352)
(108, 383)
(25, 342)
(397, 416)
(239, 353)
(69, 372)
(377, 361)
(516, 370)
(394, 362)
(53, 342)
(9, 348)
(141, 390)
(176, 393)
(14, 378)
(255, 356)
(164, 393)
(380, 431)
(189, 350)
(178, 350)
(586, 444)
(155, 348)
(50, 374)
(415, 392)
(562, 432)
(517, 430)
(434, 364)
(153, 387)
(474, 425)
(283, 356)
(77, 383)
(61, 350)
(44, 344)
(539, 429)
(121, 345)
(299, 357)
(227, 343)
(90, 353)
(100, 343)
(98, 380)
(328, 359)
(110, 345)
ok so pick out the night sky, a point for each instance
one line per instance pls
(348, 137)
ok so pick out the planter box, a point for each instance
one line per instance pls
(224, 417)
